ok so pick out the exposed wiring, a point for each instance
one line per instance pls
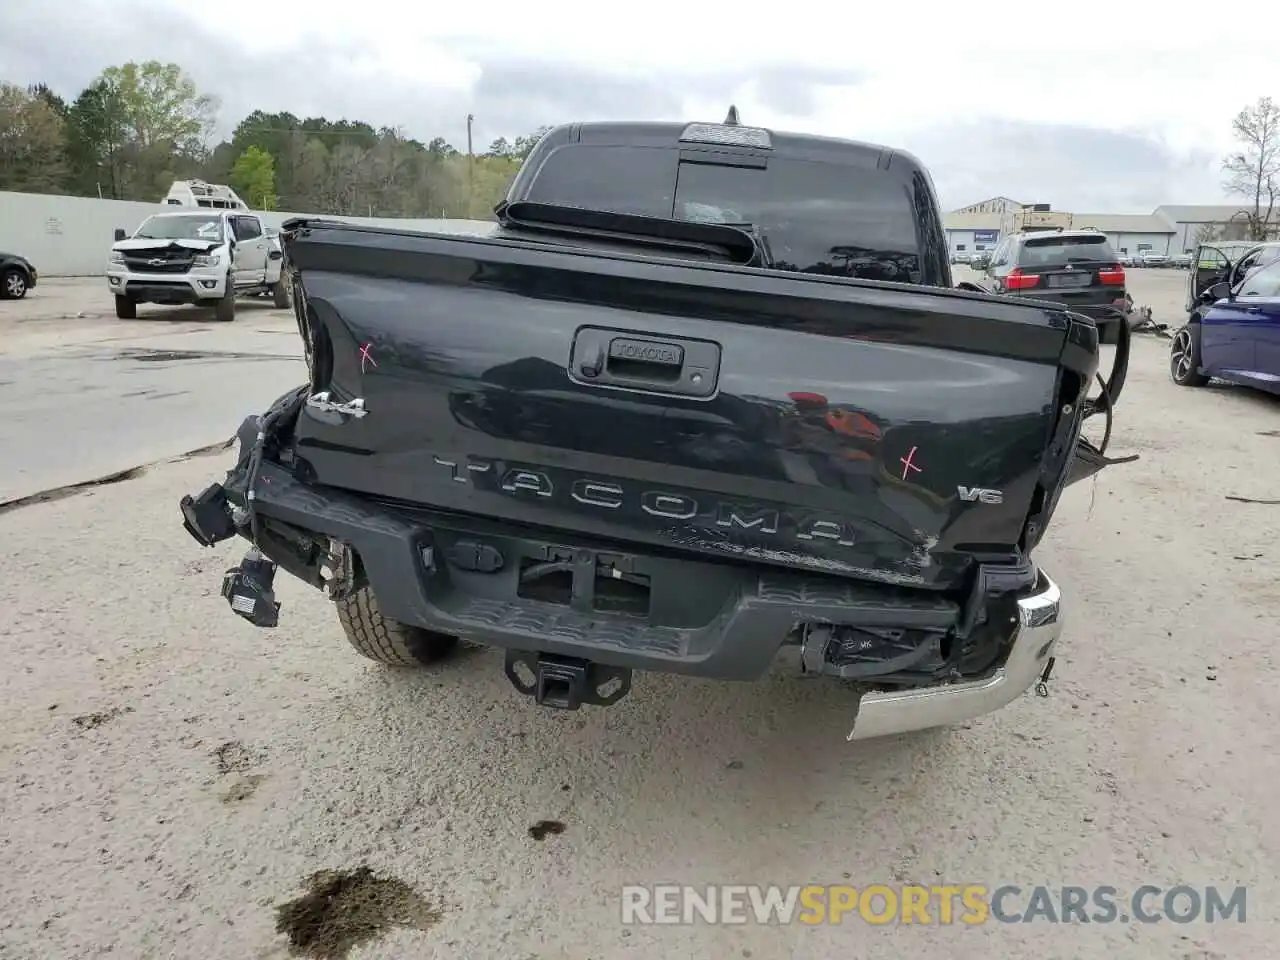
(1106, 395)
(1119, 373)
(251, 480)
(265, 428)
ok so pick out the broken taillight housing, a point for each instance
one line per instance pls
(1017, 280)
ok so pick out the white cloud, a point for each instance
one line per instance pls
(1090, 90)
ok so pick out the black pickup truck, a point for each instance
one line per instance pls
(702, 396)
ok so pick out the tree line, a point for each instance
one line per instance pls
(139, 126)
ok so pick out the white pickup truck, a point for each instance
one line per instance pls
(201, 257)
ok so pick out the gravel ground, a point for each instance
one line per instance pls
(170, 776)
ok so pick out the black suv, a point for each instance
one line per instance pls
(1076, 268)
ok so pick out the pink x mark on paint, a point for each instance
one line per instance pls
(366, 357)
(908, 463)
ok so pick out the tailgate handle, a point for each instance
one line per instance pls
(654, 364)
(646, 358)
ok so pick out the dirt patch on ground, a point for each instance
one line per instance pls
(91, 721)
(546, 828)
(234, 757)
(243, 788)
(342, 909)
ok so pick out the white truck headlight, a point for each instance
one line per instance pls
(206, 260)
(116, 257)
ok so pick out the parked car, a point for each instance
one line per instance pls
(960, 257)
(980, 260)
(1076, 268)
(667, 416)
(1180, 260)
(1125, 260)
(18, 275)
(1234, 332)
(1149, 258)
(1213, 262)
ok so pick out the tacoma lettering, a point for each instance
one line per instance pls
(841, 533)
(521, 481)
(607, 495)
(669, 506)
(530, 480)
(765, 520)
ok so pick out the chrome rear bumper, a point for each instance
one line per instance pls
(1040, 624)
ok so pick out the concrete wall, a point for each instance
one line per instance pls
(71, 236)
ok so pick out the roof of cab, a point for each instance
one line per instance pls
(667, 134)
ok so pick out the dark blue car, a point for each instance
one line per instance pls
(1233, 333)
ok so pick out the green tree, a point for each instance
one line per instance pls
(524, 144)
(31, 142)
(493, 174)
(441, 147)
(139, 126)
(253, 176)
(166, 120)
(97, 133)
(55, 102)
(1254, 171)
(162, 104)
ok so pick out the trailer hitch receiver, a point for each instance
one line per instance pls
(566, 683)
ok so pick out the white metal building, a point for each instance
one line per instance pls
(993, 205)
(1225, 220)
(972, 232)
(1130, 233)
(1170, 229)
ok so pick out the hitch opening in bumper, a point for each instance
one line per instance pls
(566, 683)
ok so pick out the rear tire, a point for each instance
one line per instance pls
(126, 308)
(225, 309)
(279, 294)
(1184, 355)
(388, 641)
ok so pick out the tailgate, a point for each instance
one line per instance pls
(881, 431)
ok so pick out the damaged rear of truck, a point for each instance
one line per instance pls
(611, 437)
